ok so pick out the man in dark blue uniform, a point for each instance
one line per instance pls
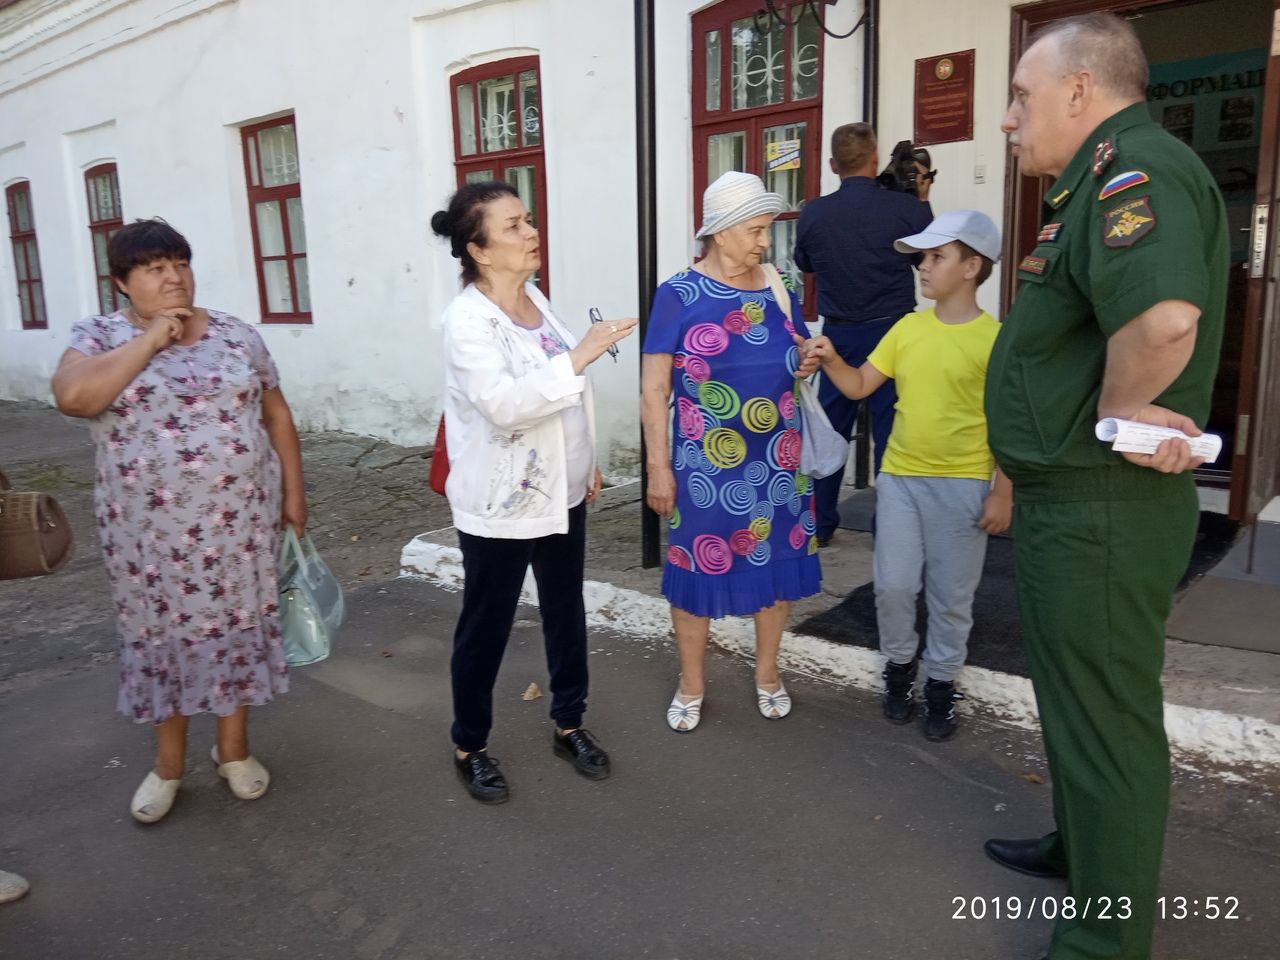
(864, 285)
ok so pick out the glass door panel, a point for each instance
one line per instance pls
(498, 119)
(756, 64)
(522, 178)
(525, 179)
(784, 169)
(782, 246)
(725, 152)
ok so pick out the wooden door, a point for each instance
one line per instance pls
(1256, 459)
(1251, 352)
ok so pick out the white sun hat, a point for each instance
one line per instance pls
(733, 198)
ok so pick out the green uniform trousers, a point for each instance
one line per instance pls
(1095, 586)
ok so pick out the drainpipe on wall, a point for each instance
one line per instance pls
(870, 111)
(646, 239)
(871, 63)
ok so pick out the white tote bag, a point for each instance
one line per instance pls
(823, 450)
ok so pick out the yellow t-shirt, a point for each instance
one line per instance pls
(939, 429)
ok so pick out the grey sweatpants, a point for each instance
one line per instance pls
(927, 530)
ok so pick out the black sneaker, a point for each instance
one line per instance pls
(479, 774)
(940, 698)
(898, 699)
(824, 541)
(584, 753)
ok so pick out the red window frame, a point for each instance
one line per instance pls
(501, 161)
(281, 194)
(753, 121)
(26, 259)
(101, 229)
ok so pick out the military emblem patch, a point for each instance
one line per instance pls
(1122, 181)
(1103, 154)
(1128, 223)
(1049, 233)
(1034, 265)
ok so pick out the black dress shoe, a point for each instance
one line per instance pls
(585, 754)
(479, 774)
(1023, 856)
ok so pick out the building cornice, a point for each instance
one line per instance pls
(36, 41)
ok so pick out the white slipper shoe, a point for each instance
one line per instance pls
(248, 778)
(773, 706)
(683, 717)
(12, 887)
(154, 798)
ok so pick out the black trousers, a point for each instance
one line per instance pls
(493, 572)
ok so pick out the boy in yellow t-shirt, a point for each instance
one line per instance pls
(935, 499)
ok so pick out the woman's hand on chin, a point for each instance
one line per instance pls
(166, 328)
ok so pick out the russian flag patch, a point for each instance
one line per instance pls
(1122, 181)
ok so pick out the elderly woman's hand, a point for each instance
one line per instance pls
(661, 491)
(598, 339)
(813, 353)
(593, 491)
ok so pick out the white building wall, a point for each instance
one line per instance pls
(928, 28)
(162, 90)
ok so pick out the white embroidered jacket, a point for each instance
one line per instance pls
(502, 421)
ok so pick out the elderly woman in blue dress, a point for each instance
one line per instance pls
(741, 539)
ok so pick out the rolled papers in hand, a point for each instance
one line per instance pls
(1130, 436)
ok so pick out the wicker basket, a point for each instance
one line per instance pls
(35, 537)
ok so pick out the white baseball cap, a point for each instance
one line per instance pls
(970, 227)
(733, 198)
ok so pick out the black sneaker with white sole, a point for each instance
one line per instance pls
(940, 698)
(898, 700)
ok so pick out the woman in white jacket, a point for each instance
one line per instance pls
(521, 436)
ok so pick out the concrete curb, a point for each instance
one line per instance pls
(1221, 738)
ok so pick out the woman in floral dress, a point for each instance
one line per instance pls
(741, 539)
(197, 463)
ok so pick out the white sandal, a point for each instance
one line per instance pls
(773, 706)
(12, 887)
(154, 798)
(683, 717)
(248, 778)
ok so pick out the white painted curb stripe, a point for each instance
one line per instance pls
(1224, 738)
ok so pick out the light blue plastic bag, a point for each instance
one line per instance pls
(311, 603)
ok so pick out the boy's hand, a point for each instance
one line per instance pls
(997, 512)
(818, 349)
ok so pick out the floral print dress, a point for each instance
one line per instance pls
(187, 497)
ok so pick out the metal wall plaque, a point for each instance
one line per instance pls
(944, 98)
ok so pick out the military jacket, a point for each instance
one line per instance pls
(1134, 220)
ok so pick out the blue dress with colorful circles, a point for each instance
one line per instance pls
(742, 534)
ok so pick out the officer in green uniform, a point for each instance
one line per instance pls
(1118, 314)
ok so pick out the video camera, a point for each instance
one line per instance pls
(901, 173)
